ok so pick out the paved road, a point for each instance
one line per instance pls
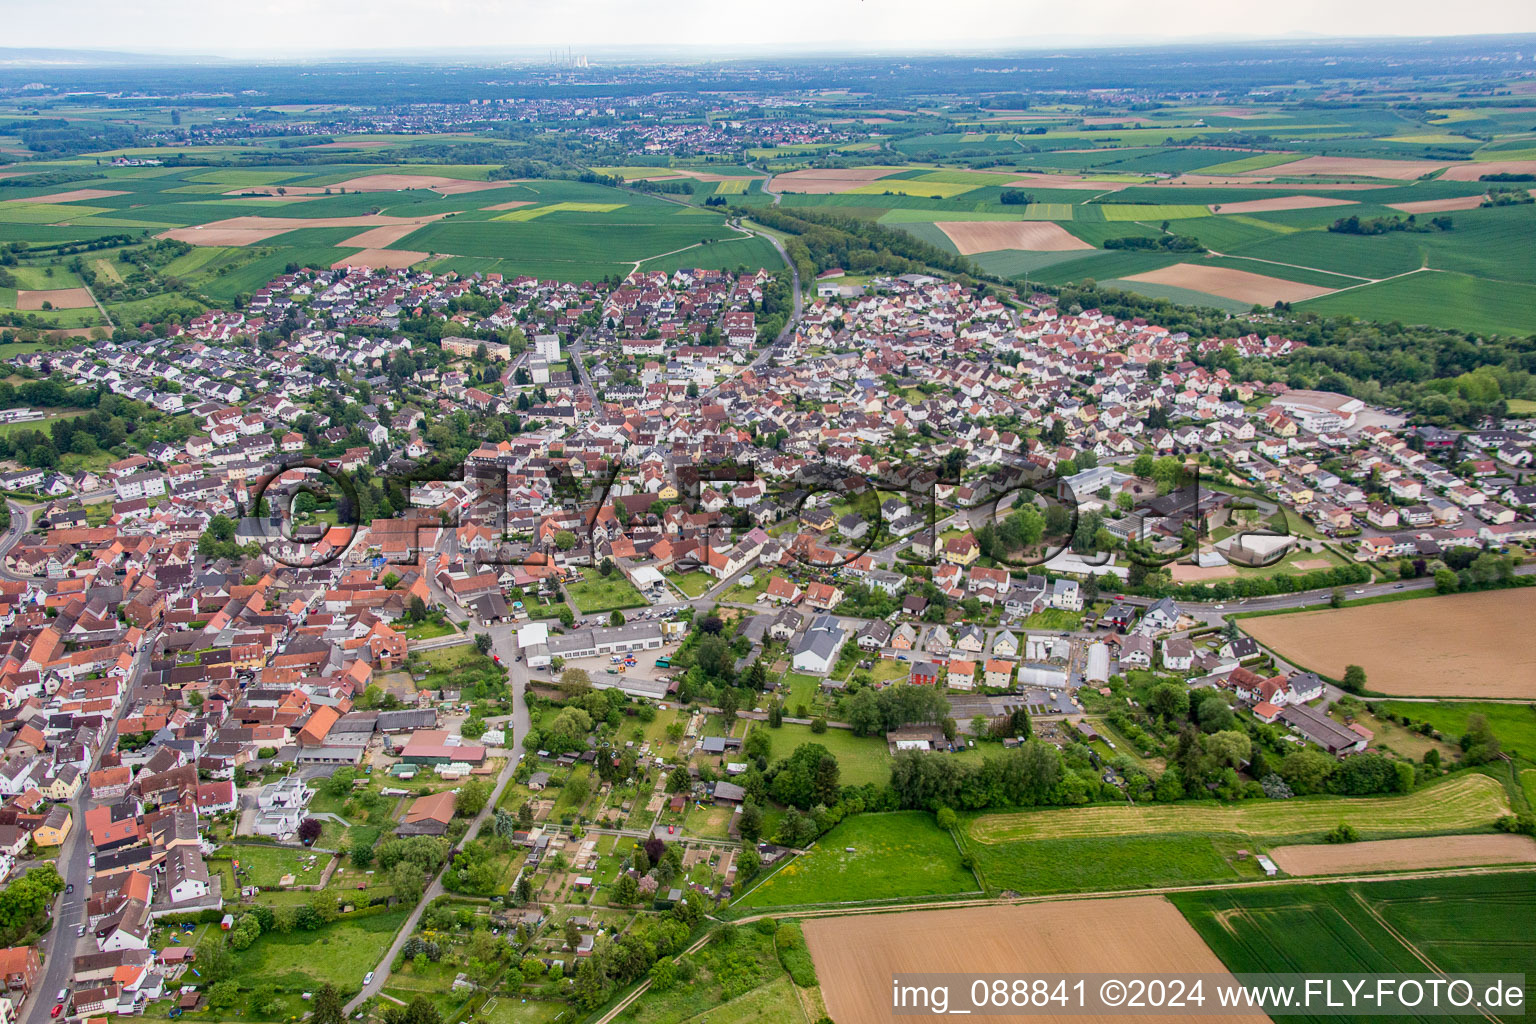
(21, 522)
(504, 645)
(74, 865)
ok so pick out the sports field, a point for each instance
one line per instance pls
(1457, 804)
(1459, 645)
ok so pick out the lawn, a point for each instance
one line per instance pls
(860, 759)
(1513, 724)
(694, 584)
(264, 865)
(1055, 619)
(596, 594)
(340, 953)
(429, 629)
(900, 855)
(1447, 924)
(1468, 802)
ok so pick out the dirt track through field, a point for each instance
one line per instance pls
(856, 957)
(1279, 203)
(58, 298)
(973, 236)
(1405, 854)
(1231, 284)
(1461, 645)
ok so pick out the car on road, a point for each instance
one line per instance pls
(368, 978)
(63, 996)
(69, 888)
(56, 1010)
(1398, 586)
(80, 932)
(1359, 590)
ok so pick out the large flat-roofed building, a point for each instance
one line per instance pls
(589, 643)
(1320, 410)
(436, 746)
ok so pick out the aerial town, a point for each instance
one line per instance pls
(417, 640)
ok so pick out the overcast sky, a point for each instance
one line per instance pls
(299, 27)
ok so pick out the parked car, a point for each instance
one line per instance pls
(56, 1010)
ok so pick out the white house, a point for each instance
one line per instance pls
(1067, 595)
(818, 647)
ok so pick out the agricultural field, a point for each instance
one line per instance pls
(1404, 854)
(248, 224)
(1461, 803)
(902, 854)
(1417, 648)
(855, 957)
(1446, 924)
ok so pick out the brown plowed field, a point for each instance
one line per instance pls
(72, 196)
(855, 957)
(437, 183)
(1460, 645)
(1404, 854)
(254, 230)
(1347, 166)
(381, 259)
(1439, 205)
(58, 298)
(1472, 171)
(1231, 284)
(828, 181)
(1279, 203)
(972, 236)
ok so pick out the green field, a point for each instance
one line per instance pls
(1440, 300)
(1513, 724)
(1151, 212)
(596, 594)
(1467, 802)
(1448, 924)
(1257, 162)
(897, 855)
(860, 759)
(1043, 866)
(340, 953)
